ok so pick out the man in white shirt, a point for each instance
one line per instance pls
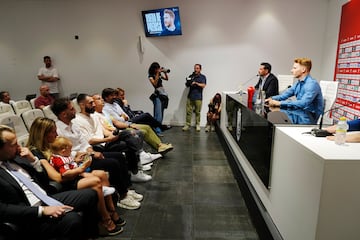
(93, 132)
(121, 121)
(49, 76)
(112, 162)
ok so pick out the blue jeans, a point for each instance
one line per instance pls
(158, 110)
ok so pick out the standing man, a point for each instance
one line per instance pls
(306, 90)
(45, 98)
(49, 76)
(268, 82)
(196, 83)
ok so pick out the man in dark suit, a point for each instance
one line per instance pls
(23, 207)
(268, 82)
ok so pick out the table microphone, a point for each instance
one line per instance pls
(319, 132)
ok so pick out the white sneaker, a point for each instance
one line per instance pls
(136, 196)
(145, 158)
(108, 190)
(207, 128)
(128, 203)
(140, 177)
(155, 156)
(146, 167)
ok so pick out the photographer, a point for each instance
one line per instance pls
(196, 83)
(213, 113)
(160, 99)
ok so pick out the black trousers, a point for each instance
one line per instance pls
(131, 143)
(77, 224)
(115, 164)
(146, 118)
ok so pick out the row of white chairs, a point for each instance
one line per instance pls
(21, 114)
(22, 123)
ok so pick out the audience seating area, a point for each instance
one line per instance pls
(22, 113)
(20, 116)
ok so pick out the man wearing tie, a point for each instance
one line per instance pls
(23, 198)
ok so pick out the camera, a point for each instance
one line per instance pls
(165, 70)
(212, 108)
(116, 132)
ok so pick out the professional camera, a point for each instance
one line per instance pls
(165, 70)
(116, 132)
(212, 108)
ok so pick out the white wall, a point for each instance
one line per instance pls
(229, 38)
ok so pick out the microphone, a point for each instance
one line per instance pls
(252, 78)
(319, 132)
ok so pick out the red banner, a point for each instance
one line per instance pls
(347, 69)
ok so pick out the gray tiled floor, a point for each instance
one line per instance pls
(193, 195)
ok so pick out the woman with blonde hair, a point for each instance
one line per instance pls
(41, 135)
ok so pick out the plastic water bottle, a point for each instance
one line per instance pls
(341, 129)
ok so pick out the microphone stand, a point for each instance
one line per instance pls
(319, 132)
(241, 92)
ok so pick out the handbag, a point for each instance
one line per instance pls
(153, 96)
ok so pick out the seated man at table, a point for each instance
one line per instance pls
(354, 125)
(306, 90)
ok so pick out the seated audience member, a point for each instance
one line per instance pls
(5, 97)
(78, 178)
(112, 162)
(354, 125)
(23, 197)
(306, 90)
(119, 119)
(213, 113)
(133, 138)
(93, 132)
(137, 117)
(45, 98)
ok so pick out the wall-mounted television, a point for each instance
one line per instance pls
(162, 22)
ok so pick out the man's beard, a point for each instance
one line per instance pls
(89, 110)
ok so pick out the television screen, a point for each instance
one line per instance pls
(162, 22)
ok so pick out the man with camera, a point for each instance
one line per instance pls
(196, 83)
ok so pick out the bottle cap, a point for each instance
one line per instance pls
(342, 118)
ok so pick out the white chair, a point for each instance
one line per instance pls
(284, 82)
(73, 96)
(16, 123)
(32, 103)
(76, 105)
(21, 106)
(6, 110)
(22, 140)
(49, 113)
(30, 115)
(329, 91)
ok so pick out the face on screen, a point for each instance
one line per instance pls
(169, 21)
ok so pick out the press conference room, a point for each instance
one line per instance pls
(262, 178)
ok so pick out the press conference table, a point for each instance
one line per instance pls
(313, 189)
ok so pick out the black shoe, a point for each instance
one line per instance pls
(165, 127)
(104, 232)
(120, 222)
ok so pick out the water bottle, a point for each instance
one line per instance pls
(341, 129)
